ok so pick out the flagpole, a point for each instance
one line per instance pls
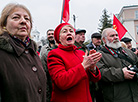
(74, 19)
(132, 37)
(62, 10)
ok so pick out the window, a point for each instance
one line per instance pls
(121, 19)
(137, 29)
(136, 14)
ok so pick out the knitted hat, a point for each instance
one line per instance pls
(57, 31)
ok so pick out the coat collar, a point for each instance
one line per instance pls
(10, 45)
(67, 48)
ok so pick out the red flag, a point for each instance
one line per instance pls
(65, 15)
(117, 25)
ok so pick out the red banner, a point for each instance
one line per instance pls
(65, 16)
(117, 25)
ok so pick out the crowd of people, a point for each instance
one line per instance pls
(67, 70)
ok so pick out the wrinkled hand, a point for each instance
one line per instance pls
(91, 60)
(128, 74)
(93, 66)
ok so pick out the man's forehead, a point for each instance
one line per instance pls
(50, 31)
(112, 32)
(96, 38)
(128, 42)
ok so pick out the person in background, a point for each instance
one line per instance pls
(80, 38)
(118, 78)
(49, 38)
(127, 41)
(94, 88)
(95, 42)
(21, 73)
(49, 45)
(71, 69)
(123, 45)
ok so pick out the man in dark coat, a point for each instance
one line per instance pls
(119, 80)
(94, 88)
(80, 38)
(95, 42)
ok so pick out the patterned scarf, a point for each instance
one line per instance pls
(25, 43)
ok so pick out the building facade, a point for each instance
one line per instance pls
(128, 16)
(35, 35)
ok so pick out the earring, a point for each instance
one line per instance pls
(4, 27)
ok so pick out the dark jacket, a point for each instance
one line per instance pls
(91, 46)
(22, 78)
(43, 56)
(94, 87)
(115, 87)
(81, 47)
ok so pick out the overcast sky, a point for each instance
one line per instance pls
(47, 13)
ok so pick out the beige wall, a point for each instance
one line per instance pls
(127, 15)
(130, 13)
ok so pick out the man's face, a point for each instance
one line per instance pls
(50, 35)
(112, 39)
(112, 36)
(96, 41)
(129, 45)
(80, 37)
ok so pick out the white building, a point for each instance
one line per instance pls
(35, 35)
(128, 16)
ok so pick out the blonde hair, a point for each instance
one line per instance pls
(7, 11)
(123, 44)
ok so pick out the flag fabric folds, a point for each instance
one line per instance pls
(65, 12)
(117, 25)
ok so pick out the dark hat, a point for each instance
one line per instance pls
(80, 30)
(125, 39)
(96, 35)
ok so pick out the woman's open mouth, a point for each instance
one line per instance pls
(69, 39)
